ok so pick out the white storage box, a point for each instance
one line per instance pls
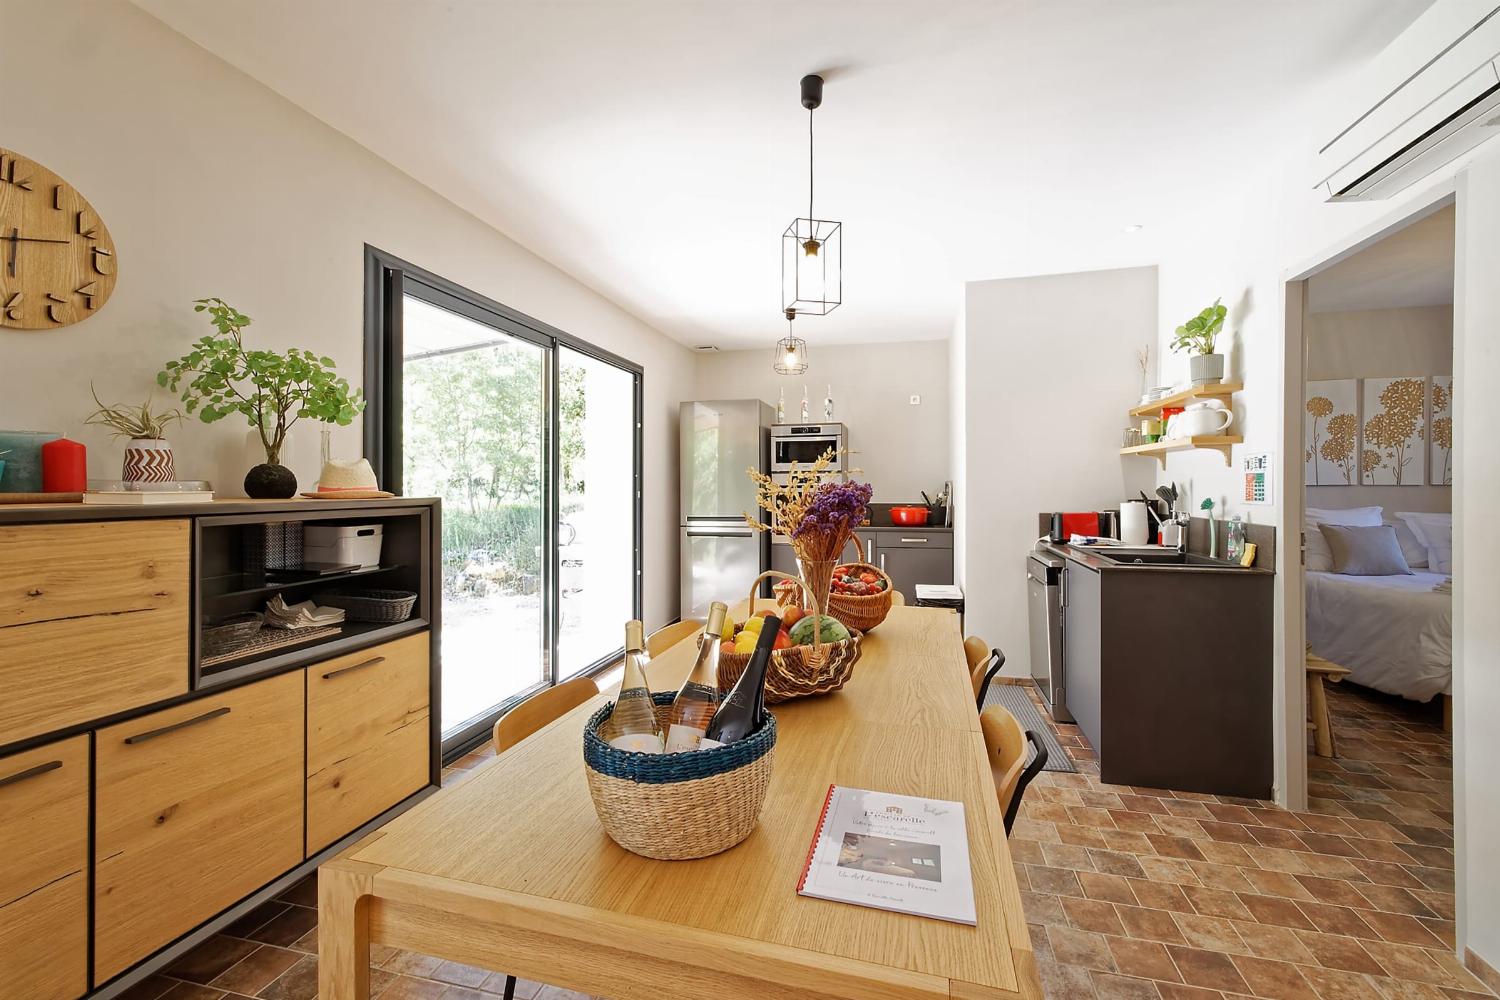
(342, 544)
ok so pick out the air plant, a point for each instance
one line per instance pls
(136, 422)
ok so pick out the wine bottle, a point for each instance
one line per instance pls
(693, 708)
(781, 406)
(632, 723)
(828, 404)
(804, 404)
(743, 708)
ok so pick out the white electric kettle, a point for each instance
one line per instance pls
(1201, 419)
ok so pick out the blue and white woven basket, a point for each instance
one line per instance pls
(676, 806)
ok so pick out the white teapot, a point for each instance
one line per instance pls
(1201, 419)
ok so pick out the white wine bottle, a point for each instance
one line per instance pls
(781, 406)
(693, 708)
(743, 708)
(632, 723)
(804, 404)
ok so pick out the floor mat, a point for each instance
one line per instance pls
(1017, 701)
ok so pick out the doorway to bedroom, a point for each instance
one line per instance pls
(1377, 447)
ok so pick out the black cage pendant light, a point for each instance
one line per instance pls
(791, 350)
(812, 252)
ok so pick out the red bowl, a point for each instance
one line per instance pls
(909, 517)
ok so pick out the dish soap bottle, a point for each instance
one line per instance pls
(1234, 539)
(828, 404)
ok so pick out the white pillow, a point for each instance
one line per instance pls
(1440, 559)
(1434, 530)
(1414, 550)
(1319, 555)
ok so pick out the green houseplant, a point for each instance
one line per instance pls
(271, 391)
(148, 454)
(1198, 336)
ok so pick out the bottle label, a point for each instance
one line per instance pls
(637, 742)
(681, 738)
(707, 744)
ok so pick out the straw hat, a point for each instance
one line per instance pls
(348, 480)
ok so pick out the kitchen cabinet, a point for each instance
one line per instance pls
(1082, 659)
(196, 806)
(44, 839)
(912, 556)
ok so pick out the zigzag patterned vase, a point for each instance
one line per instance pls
(148, 460)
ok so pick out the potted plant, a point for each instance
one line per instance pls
(1197, 336)
(148, 455)
(271, 391)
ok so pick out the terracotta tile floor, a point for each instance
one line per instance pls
(1159, 895)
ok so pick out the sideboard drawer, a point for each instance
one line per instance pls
(368, 738)
(44, 841)
(196, 806)
(93, 621)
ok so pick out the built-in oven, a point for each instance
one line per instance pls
(803, 444)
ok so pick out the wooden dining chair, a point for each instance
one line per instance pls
(667, 636)
(984, 664)
(1005, 745)
(898, 599)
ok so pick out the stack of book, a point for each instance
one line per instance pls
(293, 617)
(113, 491)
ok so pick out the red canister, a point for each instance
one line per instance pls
(64, 466)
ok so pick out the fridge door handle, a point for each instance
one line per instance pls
(747, 533)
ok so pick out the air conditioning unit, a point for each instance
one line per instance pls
(1441, 99)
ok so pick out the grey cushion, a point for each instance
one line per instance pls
(1365, 551)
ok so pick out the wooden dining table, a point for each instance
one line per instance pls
(509, 869)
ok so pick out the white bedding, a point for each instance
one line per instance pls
(1393, 632)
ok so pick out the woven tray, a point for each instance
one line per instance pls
(268, 639)
(387, 606)
(676, 806)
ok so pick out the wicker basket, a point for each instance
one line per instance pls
(797, 671)
(388, 606)
(677, 806)
(863, 611)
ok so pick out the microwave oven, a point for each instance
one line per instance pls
(804, 443)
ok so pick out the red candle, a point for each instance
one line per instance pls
(64, 466)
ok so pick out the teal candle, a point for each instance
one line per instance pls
(23, 464)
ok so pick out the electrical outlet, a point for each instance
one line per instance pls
(916, 400)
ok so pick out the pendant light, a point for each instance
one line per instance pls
(812, 254)
(791, 350)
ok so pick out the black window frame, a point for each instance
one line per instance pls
(388, 280)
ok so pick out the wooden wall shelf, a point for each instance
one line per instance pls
(1221, 443)
(1196, 394)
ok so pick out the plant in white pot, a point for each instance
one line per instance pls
(148, 454)
(1198, 336)
(271, 391)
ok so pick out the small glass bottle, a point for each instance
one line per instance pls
(828, 404)
(632, 723)
(804, 404)
(1234, 539)
(781, 406)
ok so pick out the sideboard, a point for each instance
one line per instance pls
(155, 785)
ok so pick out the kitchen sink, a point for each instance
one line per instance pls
(1188, 559)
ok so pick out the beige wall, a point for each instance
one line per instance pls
(1046, 390)
(211, 184)
(901, 448)
(1375, 343)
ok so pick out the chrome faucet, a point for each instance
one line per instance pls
(1182, 519)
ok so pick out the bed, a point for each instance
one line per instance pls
(1393, 632)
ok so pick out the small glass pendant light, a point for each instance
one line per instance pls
(791, 350)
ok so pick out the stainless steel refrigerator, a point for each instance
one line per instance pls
(721, 554)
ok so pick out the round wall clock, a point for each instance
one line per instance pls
(57, 262)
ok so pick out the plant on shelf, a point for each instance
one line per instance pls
(271, 391)
(148, 454)
(1198, 336)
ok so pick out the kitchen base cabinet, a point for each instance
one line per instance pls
(44, 837)
(368, 738)
(196, 806)
(910, 556)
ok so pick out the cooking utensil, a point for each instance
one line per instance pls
(909, 517)
(1169, 494)
(926, 499)
(1150, 507)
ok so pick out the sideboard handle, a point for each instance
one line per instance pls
(344, 670)
(914, 540)
(31, 772)
(164, 730)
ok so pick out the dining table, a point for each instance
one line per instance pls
(509, 869)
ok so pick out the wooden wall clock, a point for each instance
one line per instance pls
(57, 261)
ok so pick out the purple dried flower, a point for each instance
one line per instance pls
(835, 507)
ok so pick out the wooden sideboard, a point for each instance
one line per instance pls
(151, 793)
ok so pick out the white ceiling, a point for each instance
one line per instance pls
(1411, 267)
(655, 149)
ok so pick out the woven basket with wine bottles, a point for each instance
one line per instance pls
(797, 671)
(676, 806)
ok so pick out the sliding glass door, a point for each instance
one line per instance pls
(531, 437)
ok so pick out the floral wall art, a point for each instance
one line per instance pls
(1395, 427)
(1441, 445)
(1330, 449)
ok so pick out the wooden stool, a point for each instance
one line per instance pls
(1319, 670)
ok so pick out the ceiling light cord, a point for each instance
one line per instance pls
(811, 227)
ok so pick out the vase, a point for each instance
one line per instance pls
(148, 460)
(1206, 369)
(270, 482)
(817, 574)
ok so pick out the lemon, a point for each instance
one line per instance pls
(746, 641)
(753, 625)
(728, 630)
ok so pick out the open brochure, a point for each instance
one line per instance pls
(892, 852)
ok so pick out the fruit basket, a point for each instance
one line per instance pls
(863, 611)
(676, 806)
(797, 671)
